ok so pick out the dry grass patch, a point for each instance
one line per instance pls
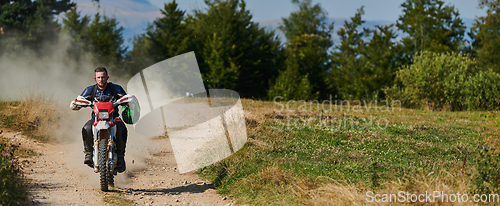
(342, 193)
(336, 193)
(34, 116)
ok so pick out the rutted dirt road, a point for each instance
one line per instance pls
(57, 176)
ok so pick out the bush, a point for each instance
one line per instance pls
(445, 80)
(481, 91)
(12, 191)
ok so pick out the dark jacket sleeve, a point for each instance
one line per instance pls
(87, 92)
(121, 92)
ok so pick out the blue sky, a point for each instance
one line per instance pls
(374, 9)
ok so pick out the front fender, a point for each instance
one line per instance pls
(102, 125)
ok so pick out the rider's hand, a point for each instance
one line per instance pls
(74, 106)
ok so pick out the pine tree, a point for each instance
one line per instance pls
(243, 44)
(98, 40)
(169, 35)
(382, 59)
(431, 26)
(309, 38)
(487, 40)
(30, 24)
(366, 60)
(139, 57)
(293, 82)
(223, 72)
(107, 40)
(309, 19)
(76, 26)
(348, 64)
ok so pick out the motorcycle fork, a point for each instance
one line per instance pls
(96, 149)
(111, 149)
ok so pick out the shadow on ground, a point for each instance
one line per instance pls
(192, 188)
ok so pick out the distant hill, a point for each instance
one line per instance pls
(135, 15)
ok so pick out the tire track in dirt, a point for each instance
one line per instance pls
(57, 176)
(161, 184)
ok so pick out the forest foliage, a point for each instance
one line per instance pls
(235, 52)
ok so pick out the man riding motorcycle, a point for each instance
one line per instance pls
(103, 88)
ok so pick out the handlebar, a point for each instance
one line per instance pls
(115, 104)
(82, 102)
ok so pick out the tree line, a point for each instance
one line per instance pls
(236, 53)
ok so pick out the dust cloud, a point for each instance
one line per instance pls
(54, 75)
(60, 79)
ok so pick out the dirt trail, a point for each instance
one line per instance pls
(57, 176)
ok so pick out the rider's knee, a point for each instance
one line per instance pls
(121, 130)
(120, 126)
(88, 126)
(124, 135)
(87, 130)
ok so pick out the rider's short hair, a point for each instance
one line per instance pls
(101, 69)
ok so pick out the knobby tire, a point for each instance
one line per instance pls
(103, 160)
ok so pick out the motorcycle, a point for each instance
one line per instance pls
(104, 132)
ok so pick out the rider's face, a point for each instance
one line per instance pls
(101, 78)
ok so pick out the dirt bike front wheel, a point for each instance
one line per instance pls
(103, 161)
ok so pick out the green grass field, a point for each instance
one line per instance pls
(306, 155)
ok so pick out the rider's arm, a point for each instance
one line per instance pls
(121, 92)
(85, 94)
(119, 89)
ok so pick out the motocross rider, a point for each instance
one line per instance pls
(103, 87)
